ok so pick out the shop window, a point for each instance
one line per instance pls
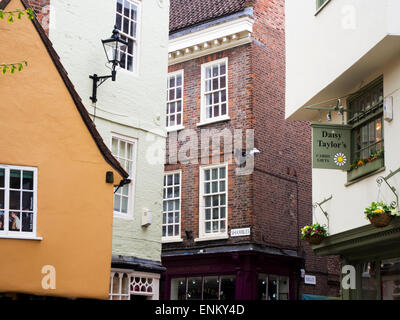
(366, 119)
(204, 288)
(125, 285)
(271, 287)
(390, 277)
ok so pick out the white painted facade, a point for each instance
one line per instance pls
(133, 106)
(331, 54)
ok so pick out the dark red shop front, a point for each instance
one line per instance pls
(230, 273)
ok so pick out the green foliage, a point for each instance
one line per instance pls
(12, 67)
(10, 15)
(379, 208)
(315, 229)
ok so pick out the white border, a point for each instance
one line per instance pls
(174, 238)
(131, 202)
(203, 119)
(182, 73)
(20, 235)
(212, 236)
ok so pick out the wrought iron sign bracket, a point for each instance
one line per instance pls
(319, 204)
(381, 179)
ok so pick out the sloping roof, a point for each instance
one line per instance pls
(188, 13)
(106, 153)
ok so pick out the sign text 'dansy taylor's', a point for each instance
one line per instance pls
(331, 146)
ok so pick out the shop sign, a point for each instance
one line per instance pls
(331, 146)
(310, 279)
(240, 232)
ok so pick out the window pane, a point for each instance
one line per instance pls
(283, 288)
(117, 202)
(27, 201)
(27, 222)
(272, 288)
(194, 289)
(228, 288)
(27, 180)
(262, 287)
(178, 289)
(15, 221)
(1, 199)
(124, 205)
(1, 220)
(369, 289)
(15, 179)
(15, 197)
(2, 178)
(211, 288)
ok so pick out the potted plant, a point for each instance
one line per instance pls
(380, 214)
(314, 234)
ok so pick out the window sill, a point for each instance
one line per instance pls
(365, 171)
(171, 240)
(12, 237)
(322, 7)
(349, 183)
(215, 120)
(122, 216)
(175, 128)
(212, 238)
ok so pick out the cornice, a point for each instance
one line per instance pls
(216, 38)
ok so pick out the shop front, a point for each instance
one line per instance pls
(375, 255)
(230, 274)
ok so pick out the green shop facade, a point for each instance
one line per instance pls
(373, 253)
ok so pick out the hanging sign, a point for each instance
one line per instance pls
(331, 146)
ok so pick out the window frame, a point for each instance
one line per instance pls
(21, 234)
(136, 41)
(202, 277)
(203, 236)
(170, 74)
(358, 120)
(132, 186)
(203, 111)
(166, 239)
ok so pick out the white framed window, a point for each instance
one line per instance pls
(214, 91)
(213, 213)
(126, 285)
(127, 22)
(174, 119)
(171, 223)
(18, 201)
(124, 150)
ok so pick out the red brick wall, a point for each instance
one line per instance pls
(239, 187)
(42, 11)
(283, 175)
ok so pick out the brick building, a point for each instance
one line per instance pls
(228, 235)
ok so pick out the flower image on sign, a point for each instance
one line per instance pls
(331, 146)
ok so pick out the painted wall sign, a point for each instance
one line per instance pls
(240, 232)
(331, 146)
(310, 279)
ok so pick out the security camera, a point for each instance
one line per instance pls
(254, 151)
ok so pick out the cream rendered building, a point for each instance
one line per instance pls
(346, 52)
(130, 116)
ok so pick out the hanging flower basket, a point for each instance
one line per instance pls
(314, 239)
(314, 234)
(380, 214)
(381, 221)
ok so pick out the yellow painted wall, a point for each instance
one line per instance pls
(41, 127)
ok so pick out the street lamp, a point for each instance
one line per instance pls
(115, 49)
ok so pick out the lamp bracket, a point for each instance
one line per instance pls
(381, 179)
(319, 204)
